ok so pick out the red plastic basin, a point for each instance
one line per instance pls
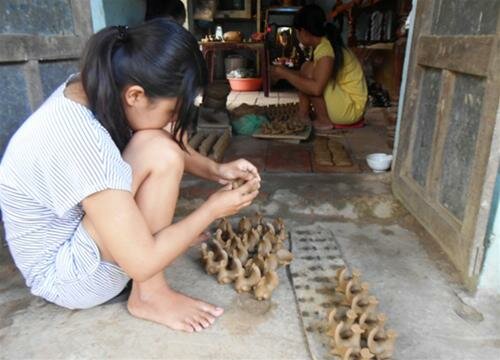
(245, 84)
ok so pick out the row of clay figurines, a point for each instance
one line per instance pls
(356, 329)
(248, 258)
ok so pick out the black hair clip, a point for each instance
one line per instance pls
(122, 32)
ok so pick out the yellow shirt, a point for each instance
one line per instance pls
(345, 97)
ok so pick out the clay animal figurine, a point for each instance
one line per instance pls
(257, 219)
(346, 339)
(215, 262)
(362, 304)
(282, 235)
(266, 264)
(219, 247)
(353, 288)
(245, 283)
(383, 348)
(226, 228)
(253, 240)
(226, 276)
(363, 354)
(343, 278)
(244, 240)
(265, 246)
(218, 238)
(285, 257)
(204, 252)
(245, 225)
(337, 316)
(271, 262)
(270, 228)
(277, 246)
(240, 250)
(261, 263)
(266, 285)
(368, 321)
(237, 183)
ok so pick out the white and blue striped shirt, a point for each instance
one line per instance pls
(58, 157)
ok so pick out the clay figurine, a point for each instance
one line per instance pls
(245, 225)
(246, 283)
(266, 285)
(343, 278)
(337, 316)
(353, 288)
(363, 354)
(346, 338)
(214, 263)
(368, 321)
(257, 219)
(363, 303)
(226, 276)
(236, 184)
(253, 240)
(285, 257)
(383, 348)
(240, 250)
(265, 246)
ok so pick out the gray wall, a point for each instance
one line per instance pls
(40, 42)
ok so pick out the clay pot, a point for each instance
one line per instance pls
(233, 36)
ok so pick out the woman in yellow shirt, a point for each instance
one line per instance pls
(333, 82)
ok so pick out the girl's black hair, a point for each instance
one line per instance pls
(160, 56)
(174, 9)
(312, 18)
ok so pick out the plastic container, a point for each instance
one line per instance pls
(245, 84)
(233, 62)
(379, 162)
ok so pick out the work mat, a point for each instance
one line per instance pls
(317, 257)
(303, 135)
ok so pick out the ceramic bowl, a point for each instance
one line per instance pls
(379, 161)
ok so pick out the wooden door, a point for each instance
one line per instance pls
(448, 146)
(40, 42)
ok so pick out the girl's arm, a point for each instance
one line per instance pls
(123, 232)
(316, 85)
(199, 165)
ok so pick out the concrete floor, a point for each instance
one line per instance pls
(434, 317)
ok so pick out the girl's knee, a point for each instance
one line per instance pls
(156, 150)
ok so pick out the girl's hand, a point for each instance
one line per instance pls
(238, 169)
(227, 202)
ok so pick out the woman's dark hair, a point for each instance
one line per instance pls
(312, 19)
(160, 56)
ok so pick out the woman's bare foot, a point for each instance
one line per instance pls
(322, 125)
(172, 309)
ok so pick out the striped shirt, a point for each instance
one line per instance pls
(58, 157)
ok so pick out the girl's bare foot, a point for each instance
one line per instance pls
(172, 309)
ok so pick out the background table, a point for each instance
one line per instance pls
(209, 49)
